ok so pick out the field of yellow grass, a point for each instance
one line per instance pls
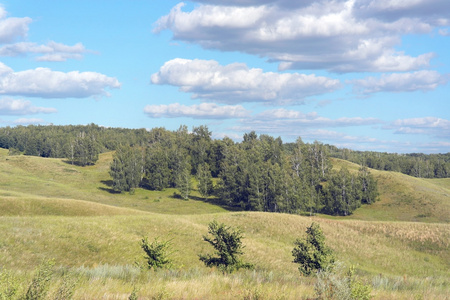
(52, 210)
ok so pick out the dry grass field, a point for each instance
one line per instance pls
(50, 209)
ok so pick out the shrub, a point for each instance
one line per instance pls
(311, 253)
(40, 283)
(157, 253)
(228, 247)
(337, 285)
(9, 285)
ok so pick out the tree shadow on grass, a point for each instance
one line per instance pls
(209, 200)
(109, 189)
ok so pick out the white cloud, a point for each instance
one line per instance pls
(204, 111)
(337, 35)
(28, 121)
(235, 83)
(51, 52)
(10, 106)
(45, 83)
(12, 28)
(431, 126)
(424, 80)
(282, 119)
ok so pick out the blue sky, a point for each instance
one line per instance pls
(362, 74)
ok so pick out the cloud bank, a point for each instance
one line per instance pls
(236, 83)
(201, 111)
(336, 35)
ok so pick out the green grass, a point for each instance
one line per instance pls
(51, 209)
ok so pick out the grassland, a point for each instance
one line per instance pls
(51, 209)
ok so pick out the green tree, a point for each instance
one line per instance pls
(157, 170)
(184, 182)
(343, 193)
(311, 253)
(157, 254)
(84, 149)
(127, 168)
(205, 184)
(228, 248)
(368, 184)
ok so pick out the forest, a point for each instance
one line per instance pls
(261, 173)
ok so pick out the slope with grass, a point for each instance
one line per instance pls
(405, 198)
(51, 209)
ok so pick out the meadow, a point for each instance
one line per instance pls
(50, 209)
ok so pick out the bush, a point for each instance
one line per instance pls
(228, 245)
(337, 285)
(311, 253)
(9, 285)
(157, 253)
(40, 283)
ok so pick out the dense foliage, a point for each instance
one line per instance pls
(260, 173)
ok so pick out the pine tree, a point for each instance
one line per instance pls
(228, 248)
(311, 253)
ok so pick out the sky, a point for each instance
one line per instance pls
(359, 74)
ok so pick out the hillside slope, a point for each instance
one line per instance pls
(405, 198)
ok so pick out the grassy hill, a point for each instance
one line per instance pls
(51, 209)
(405, 198)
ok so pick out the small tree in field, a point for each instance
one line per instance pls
(228, 245)
(157, 253)
(311, 253)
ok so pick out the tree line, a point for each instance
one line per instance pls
(261, 173)
(412, 164)
(258, 174)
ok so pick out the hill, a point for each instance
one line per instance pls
(51, 209)
(405, 198)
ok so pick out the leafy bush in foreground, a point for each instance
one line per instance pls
(311, 253)
(228, 245)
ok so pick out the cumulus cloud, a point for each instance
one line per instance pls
(201, 111)
(336, 35)
(432, 126)
(424, 80)
(12, 29)
(235, 83)
(45, 83)
(10, 106)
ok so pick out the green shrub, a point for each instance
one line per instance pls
(228, 247)
(67, 287)
(9, 285)
(337, 285)
(157, 253)
(40, 283)
(311, 253)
